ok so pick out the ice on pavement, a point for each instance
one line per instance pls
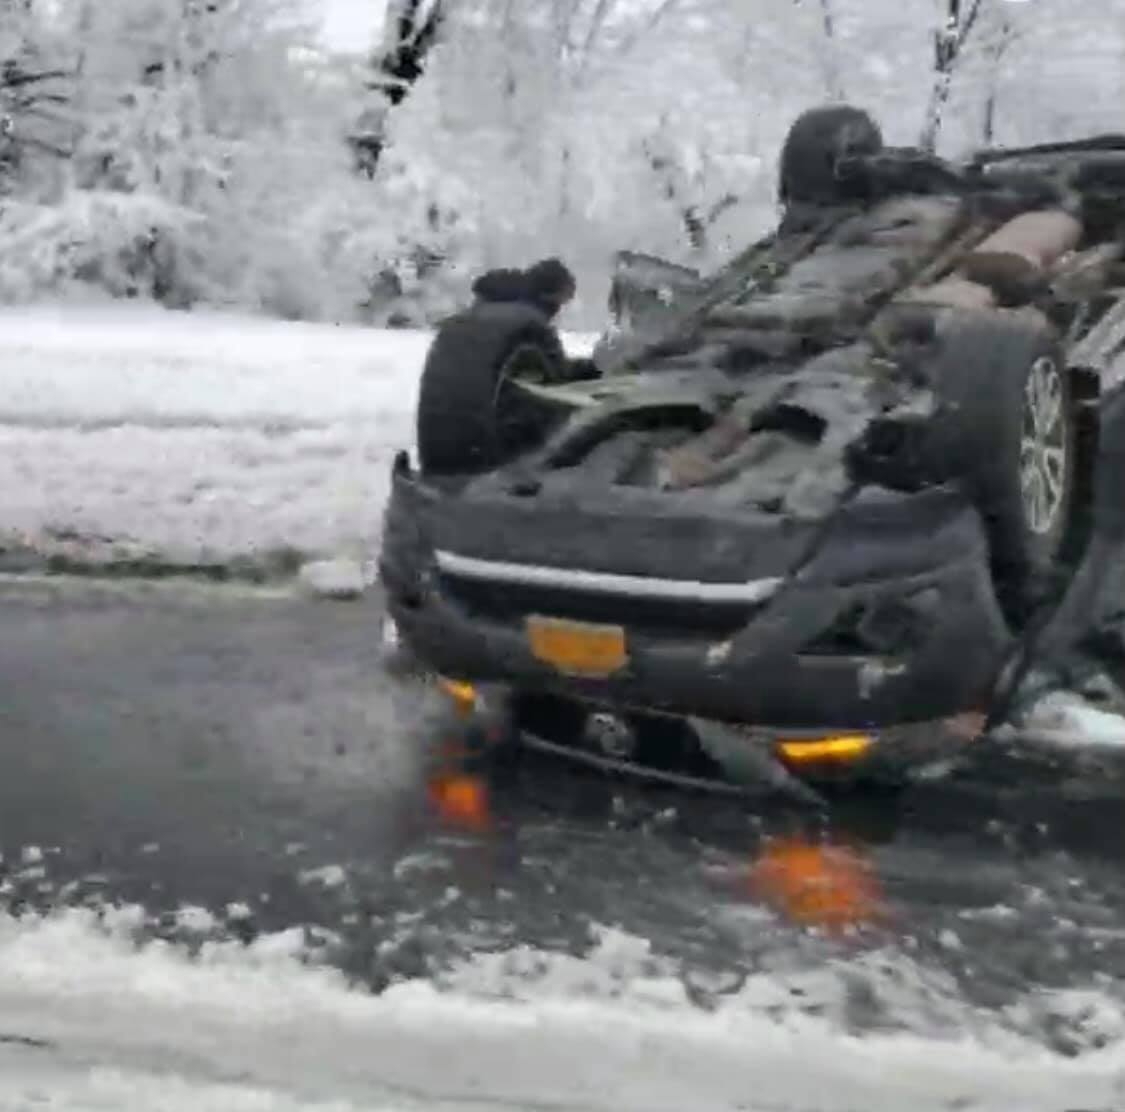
(92, 1020)
(336, 578)
(1064, 720)
(198, 438)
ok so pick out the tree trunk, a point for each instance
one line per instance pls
(988, 124)
(948, 43)
(412, 31)
(832, 76)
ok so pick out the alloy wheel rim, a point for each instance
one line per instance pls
(1044, 461)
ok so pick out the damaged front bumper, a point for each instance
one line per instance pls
(888, 631)
(706, 755)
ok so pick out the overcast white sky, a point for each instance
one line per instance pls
(350, 24)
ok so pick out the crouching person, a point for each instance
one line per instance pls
(477, 405)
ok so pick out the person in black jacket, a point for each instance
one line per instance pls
(548, 287)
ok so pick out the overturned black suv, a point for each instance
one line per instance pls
(802, 514)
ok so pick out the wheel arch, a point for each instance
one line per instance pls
(1086, 394)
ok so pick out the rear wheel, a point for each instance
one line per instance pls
(1007, 428)
(816, 144)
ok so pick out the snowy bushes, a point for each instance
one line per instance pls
(416, 245)
(122, 244)
(206, 162)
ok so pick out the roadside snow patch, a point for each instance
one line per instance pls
(150, 441)
(100, 1019)
(336, 579)
(1066, 721)
(330, 876)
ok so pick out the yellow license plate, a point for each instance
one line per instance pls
(577, 648)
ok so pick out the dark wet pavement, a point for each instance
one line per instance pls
(245, 756)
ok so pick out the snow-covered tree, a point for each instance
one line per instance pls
(35, 95)
(580, 126)
(207, 149)
(397, 60)
(1041, 69)
(208, 137)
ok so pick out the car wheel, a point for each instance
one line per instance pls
(1007, 428)
(817, 142)
(471, 417)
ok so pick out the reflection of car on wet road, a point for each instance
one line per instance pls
(812, 506)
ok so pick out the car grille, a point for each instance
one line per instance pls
(511, 603)
(664, 742)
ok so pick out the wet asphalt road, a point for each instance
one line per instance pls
(180, 746)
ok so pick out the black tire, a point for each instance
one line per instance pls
(817, 141)
(989, 372)
(468, 418)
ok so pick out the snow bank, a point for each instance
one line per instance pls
(88, 368)
(132, 433)
(92, 1021)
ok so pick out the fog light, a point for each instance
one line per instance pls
(461, 693)
(840, 748)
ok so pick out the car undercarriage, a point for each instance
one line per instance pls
(846, 487)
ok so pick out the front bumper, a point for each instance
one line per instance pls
(704, 755)
(891, 623)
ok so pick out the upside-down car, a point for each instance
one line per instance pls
(811, 508)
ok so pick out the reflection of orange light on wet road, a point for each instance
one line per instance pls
(461, 801)
(822, 886)
(461, 694)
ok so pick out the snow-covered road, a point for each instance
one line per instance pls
(222, 886)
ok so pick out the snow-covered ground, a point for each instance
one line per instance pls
(196, 438)
(91, 1022)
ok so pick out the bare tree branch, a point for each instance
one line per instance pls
(831, 56)
(949, 41)
(601, 13)
(50, 148)
(565, 15)
(13, 78)
(669, 174)
(988, 124)
(655, 18)
(831, 63)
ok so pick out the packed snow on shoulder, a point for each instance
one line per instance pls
(91, 1020)
(131, 433)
